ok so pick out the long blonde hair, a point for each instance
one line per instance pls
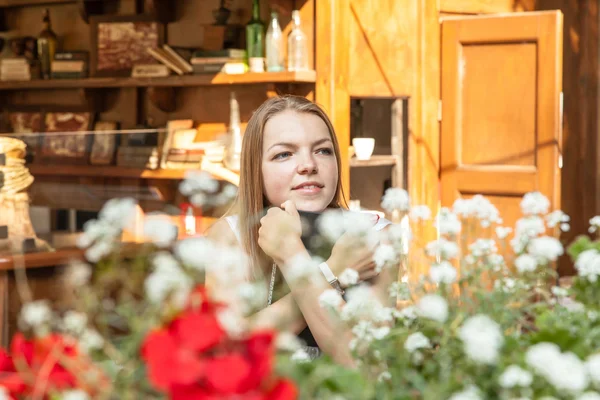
(251, 201)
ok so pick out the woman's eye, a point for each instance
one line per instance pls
(325, 151)
(283, 155)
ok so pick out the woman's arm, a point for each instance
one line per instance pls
(283, 311)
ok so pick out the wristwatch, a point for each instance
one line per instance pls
(332, 279)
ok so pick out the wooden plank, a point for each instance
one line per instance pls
(105, 171)
(25, 3)
(332, 67)
(476, 6)
(376, 161)
(170, 81)
(41, 259)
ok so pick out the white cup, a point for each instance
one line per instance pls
(363, 147)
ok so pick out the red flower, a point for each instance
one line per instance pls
(9, 377)
(193, 359)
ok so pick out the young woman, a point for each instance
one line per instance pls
(290, 162)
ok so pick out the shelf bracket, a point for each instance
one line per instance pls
(163, 98)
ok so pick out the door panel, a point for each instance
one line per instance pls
(501, 87)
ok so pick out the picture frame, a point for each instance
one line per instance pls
(172, 127)
(67, 136)
(28, 123)
(118, 42)
(104, 145)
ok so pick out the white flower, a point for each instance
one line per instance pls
(395, 199)
(287, 341)
(198, 181)
(526, 263)
(502, 232)
(443, 272)
(545, 248)
(442, 248)
(593, 368)
(74, 321)
(513, 376)
(407, 314)
(482, 339)
(420, 212)
(470, 393)
(4, 394)
(506, 285)
(332, 224)
(252, 295)
(233, 323)
(483, 247)
(349, 277)
(78, 273)
(167, 278)
(399, 290)
(159, 229)
(90, 339)
(384, 376)
(531, 226)
(556, 218)
(99, 250)
(447, 222)
(118, 211)
(74, 395)
(564, 371)
(534, 203)
(301, 267)
(300, 356)
(588, 265)
(478, 207)
(496, 261)
(589, 396)
(417, 341)
(330, 298)
(365, 332)
(384, 255)
(433, 306)
(35, 314)
(197, 252)
(559, 291)
(594, 224)
(361, 304)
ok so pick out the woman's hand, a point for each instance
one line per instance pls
(354, 253)
(280, 231)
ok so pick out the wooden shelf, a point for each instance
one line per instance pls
(25, 3)
(217, 170)
(375, 161)
(105, 171)
(42, 259)
(169, 81)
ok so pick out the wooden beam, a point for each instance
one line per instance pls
(332, 67)
(476, 6)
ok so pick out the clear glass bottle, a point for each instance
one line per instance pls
(233, 151)
(255, 40)
(46, 45)
(297, 46)
(274, 39)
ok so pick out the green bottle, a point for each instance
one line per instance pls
(255, 40)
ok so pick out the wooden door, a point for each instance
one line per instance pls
(501, 108)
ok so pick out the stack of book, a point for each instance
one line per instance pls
(15, 69)
(69, 65)
(228, 61)
(175, 60)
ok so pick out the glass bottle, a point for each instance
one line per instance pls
(297, 46)
(255, 40)
(233, 151)
(275, 56)
(46, 45)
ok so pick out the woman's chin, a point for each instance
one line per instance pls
(311, 206)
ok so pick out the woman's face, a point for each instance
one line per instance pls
(298, 161)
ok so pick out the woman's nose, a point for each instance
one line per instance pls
(307, 166)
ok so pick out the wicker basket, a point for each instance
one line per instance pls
(14, 199)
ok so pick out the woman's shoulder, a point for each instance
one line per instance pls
(224, 230)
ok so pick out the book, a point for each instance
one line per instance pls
(161, 56)
(229, 53)
(226, 68)
(177, 58)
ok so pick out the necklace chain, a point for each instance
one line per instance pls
(272, 284)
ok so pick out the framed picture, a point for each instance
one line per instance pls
(173, 127)
(66, 136)
(104, 144)
(28, 124)
(120, 42)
